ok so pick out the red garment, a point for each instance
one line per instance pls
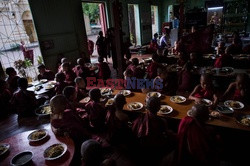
(49, 75)
(90, 47)
(70, 76)
(195, 145)
(96, 113)
(185, 82)
(28, 54)
(237, 95)
(81, 71)
(152, 70)
(81, 93)
(223, 60)
(60, 86)
(153, 45)
(104, 71)
(204, 93)
(24, 102)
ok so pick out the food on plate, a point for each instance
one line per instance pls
(54, 151)
(49, 86)
(37, 135)
(105, 90)
(110, 102)
(125, 92)
(46, 110)
(3, 148)
(245, 121)
(164, 109)
(154, 94)
(215, 114)
(135, 106)
(43, 81)
(177, 99)
(234, 104)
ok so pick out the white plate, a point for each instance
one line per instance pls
(178, 99)
(50, 147)
(42, 81)
(189, 112)
(106, 91)
(7, 147)
(207, 102)
(229, 103)
(156, 94)
(170, 109)
(49, 86)
(85, 100)
(140, 106)
(125, 92)
(110, 102)
(42, 130)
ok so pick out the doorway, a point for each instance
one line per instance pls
(155, 19)
(134, 24)
(95, 20)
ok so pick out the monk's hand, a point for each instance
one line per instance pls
(197, 100)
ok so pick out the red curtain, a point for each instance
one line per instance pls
(103, 18)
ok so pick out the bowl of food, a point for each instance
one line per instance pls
(215, 114)
(4, 147)
(154, 94)
(55, 151)
(106, 91)
(110, 102)
(177, 99)
(23, 158)
(125, 92)
(44, 110)
(135, 106)
(37, 135)
(165, 109)
(85, 100)
(243, 119)
(234, 104)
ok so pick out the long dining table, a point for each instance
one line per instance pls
(180, 111)
(19, 143)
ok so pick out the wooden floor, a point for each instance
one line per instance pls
(13, 125)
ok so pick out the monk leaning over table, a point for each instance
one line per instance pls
(60, 83)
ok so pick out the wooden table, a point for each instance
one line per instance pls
(180, 111)
(19, 143)
(43, 88)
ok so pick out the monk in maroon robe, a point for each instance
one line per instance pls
(44, 73)
(196, 146)
(24, 101)
(153, 66)
(69, 74)
(60, 83)
(5, 96)
(81, 70)
(12, 79)
(104, 70)
(80, 87)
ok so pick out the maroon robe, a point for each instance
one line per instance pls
(96, 113)
(104, 71)
(152, 70)
(185, 82)
(204, 93)
(24, 102)
(81, 93)
(5, 97)
(60, 86)
(70, 77)
(195, 144)
(82, 71)
(49, 75)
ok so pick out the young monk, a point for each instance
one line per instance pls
(152, 131)
(80, 87)
(66, 122)
(60, 83)
(69, 74)
(104, 70)
(5, 96)
(70, 93)
(185, 78)
(44, 73)
(224, 60)
(196, 146)
(152, 68)
(81, 70)
(96, 112)
(204, 90)
(24, 101)
(63, 60)
(238, 90)
(12, 79)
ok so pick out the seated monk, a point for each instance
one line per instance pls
(81, 70)
(152, 131)
(104, 70)
(238, 90)
(60, 83)
(12, 79)
(186, 78)
(70, 93)
(152, 68)
(196, 144)
(67, 122)
(22, 100)
(96, 112)
(117, 122)
(69, 74)
(224, 60)
(45, 74)
(80, 88)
